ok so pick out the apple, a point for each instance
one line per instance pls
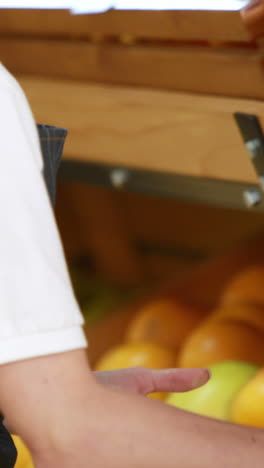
(215, 398)
(248, 406)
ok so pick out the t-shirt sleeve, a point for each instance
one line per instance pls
(39, 314)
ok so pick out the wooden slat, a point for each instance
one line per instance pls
(172, 244)
(180, 25)
(96, 218)
(150, 219)
(162, 131)
(30, 22)
(228, 72)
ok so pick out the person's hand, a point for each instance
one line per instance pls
(144, 381)
(72, 418)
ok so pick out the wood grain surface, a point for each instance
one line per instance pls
(180, 25)
(236, 72)
(164, 131)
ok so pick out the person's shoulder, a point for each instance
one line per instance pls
(14, 104)
(7, 81)
(11, 92)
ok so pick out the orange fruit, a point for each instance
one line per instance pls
(136, 355)
(164, 321)
(246, 286)
(248, 406)
(128, 355)
(253, 314)
(222, 340)
(24, 459)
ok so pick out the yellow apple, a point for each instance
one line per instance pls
(215, 398)
(24, 459)
(248, 406)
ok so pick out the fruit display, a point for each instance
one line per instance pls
(248, 407)
(165, 321)
(219, 340)
(249, 313)
(216, 398)
(235, 393)
(176, 326)
(137, 355)
(246, 286)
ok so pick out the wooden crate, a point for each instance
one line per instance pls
(191, 51)
(151, 91)
(69, 64)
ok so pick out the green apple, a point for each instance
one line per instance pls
(215, 398)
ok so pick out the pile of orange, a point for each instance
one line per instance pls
(155, 336)
(235, 329)
(169, 332)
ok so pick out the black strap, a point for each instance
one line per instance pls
(8, 452)
(52, 141)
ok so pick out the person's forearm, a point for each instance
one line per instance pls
(157, 436)
(83, 423)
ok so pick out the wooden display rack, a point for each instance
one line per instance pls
(149, 100)
(149, 91)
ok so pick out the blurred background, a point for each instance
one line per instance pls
(160, 191)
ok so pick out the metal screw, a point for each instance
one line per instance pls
(252, 198)
(119, 177)
(254, 147)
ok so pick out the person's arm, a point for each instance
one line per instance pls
(39, 314)
(68, 419)
(53, 401)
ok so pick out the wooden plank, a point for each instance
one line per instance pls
(29, 22)
(166, 244)
(162, 131)
(176, 25)
(98, 223)
(186, 233)
(180, 25)
(228, 72)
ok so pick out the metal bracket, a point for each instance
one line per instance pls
(253, 137)
(190, 189)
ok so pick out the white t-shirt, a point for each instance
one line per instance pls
(39, 314)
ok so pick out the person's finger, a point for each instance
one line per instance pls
(252, 12)
(176, 380)
(144, 381)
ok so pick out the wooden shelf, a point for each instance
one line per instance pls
(233, 72)
(149, 91)
(208, 52)
(174, 25)
(147, 129)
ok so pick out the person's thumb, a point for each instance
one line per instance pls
(175, 380)
(143, 381)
